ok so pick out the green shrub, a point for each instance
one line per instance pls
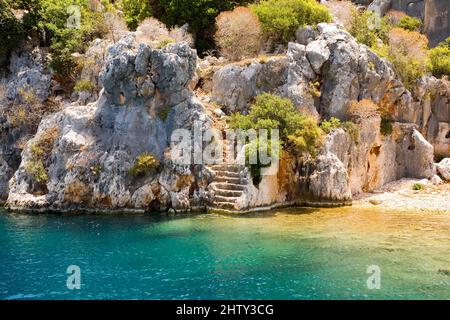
(199, 14)
(410, 23)
(84, 85)
(408, 52)
(298, 133)
(352, 129)
(52, 18)
(11, 31)
(163, 113)
(164, 42)
(40, 151)
(135, 11)
(386, 128)
(329, 125)
(36, 169)
(254, 147)
(365, 29)
(280, 19)
(143, 164)
(348, 126)
(418, 186)
(440, 59)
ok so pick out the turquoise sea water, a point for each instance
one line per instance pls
(286, 254)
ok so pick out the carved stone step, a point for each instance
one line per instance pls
(229, 186)
(225, 205)
(230, 180)
(231, 174)
(228, 193)
(227, 167)
(218, 199)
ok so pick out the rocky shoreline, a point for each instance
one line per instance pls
(81, 156)
(399, 195)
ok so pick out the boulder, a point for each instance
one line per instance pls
(305, 35)
(329, 182)
(317, 53)
(443, 168)
(380, 7)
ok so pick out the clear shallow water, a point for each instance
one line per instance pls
(287, 254)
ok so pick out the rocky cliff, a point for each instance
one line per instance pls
(81, 157)
(434, 13)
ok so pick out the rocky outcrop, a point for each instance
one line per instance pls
(345, 71)
(26, 86)
(28, 72)
(342, 69)
(434, 13)
(437, 20)
(145, 98)
(93, 62)
(443, 168)
(431, 112)
(235, 85)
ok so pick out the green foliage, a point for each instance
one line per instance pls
(135, 11)
(329, 125)
(65, 39)
(350, 127)
(163, 113)
(408, 52)
(280, 19)
(298, 133)
(410, 23)
(199, 14)
(84, 85)
(11, 31)
(40, 150)
(164, 41)
(418, 186)
(367, 29)
(440, 59)
(35, 168)
(143, 164)
(314, 88)
(253, 148)
(386, 126)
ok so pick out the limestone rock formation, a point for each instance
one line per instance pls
(432, 112)
(444, 168)
(434, 13)
(147, 94)
(28, 71)
(145, 98)
(27, 83)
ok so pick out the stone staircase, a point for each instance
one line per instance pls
(228, 186)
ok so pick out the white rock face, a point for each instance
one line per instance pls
(147, 95)
(305, 35)
(97, 144)
(317, 53)
(28, 71)
(28, 78)
(329, 181)
(443, 168)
